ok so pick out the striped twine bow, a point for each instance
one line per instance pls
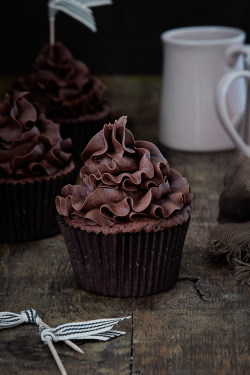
(93, 329)
(100, 329)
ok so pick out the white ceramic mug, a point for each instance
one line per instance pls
(241, 140)
(195, 58)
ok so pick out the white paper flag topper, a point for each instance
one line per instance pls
(77, 9)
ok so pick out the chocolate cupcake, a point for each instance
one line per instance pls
(63, 89)
(124, 225)
(35, 163)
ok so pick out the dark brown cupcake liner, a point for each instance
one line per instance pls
(82, 131)
(125, 264)
(27, 210)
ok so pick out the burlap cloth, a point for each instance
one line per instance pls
(230, 239)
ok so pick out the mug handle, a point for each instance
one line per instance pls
(221, 107)
(233, 53)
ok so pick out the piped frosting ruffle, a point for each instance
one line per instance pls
(123, 179)
(60, 86)
(30, 144)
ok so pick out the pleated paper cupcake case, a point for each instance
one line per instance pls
(125, 264)
(27, 210)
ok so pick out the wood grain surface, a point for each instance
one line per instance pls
(200, 327)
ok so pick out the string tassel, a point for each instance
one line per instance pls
(9, 319)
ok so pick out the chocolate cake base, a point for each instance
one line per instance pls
(27, 208)
(125, 264)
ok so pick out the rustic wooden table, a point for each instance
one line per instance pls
(200, 327)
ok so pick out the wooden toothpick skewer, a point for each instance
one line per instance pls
(52, 31)
(56, 356)
(68, 342)
(73, 346)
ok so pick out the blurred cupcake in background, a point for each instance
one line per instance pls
(64, 90)
(35, 163)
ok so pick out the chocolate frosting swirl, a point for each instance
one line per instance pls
(123, 180)
(62, 87)
(30, 144)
